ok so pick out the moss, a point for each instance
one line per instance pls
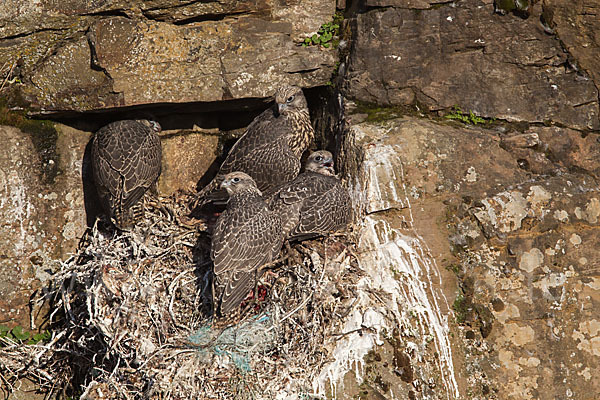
(454, 268)
(43, 135)
(377, 113)
(461, 308)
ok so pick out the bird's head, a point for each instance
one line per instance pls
(289, 99)
(320, 162)
(152, 124)
(237, 182)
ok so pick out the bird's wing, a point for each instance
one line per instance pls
(326, 209)
(287, 200)
(106, 166)
(240, 246)
(126, 159)
(262, 130)
(269, 164)
(143, 149)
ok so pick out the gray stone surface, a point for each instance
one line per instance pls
(464, 55)
(159, 52)
(521, 244)
(42, 222)
(576, 24)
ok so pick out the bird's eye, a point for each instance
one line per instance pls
(236, 179)
(318, 158)
(290, 99)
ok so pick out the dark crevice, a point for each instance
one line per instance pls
(432, 6)
(108, 13)
(94, 64)
(303, 71)
(175, 6)
(223, 115)
(470, 49)
(585, 103)
(326, 114)
(208, 17)
(26, 34)
(366, 9)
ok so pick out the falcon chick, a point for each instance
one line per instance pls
(247, 236)
(270, 149)
(315, 202)
(126, 162)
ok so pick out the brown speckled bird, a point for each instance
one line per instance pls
(126, 162)
(314, 203)
(271, 148)
(246, 236)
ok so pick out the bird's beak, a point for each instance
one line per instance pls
(281, 107)
(328, 162)
(225, 184)
(156, 126)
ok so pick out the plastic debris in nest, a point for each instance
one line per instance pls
(237, 342)
(129, 318)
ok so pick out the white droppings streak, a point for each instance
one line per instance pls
(378, 180)
(399, 268)
(14, 196)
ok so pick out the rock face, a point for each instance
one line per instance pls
(575, 23)
(159, 52)
(509, 211)
(43, 221)
(522, 246)
(478, 243)
(497, 66)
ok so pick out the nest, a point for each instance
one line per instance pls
(131, 318)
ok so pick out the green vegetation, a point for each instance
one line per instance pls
(20, 335)
(460, 307)
(326, 34)
(323, 36)
(516, 6)
(454, 268)
(376, 113)
(470, 118)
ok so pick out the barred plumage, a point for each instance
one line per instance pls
(246, 236)
(126, 162)
(271, 148)
(314, 203)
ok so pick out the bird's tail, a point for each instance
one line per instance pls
(126, 218)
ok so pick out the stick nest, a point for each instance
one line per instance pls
(131, 318)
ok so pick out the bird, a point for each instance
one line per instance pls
(126, 162)
(270, 149)
(315, 202)
(246, 236)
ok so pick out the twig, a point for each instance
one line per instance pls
(292, 312)
(8, 74)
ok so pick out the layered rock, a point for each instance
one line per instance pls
(159, 52)
(521, 244)
(575, 23)
(500, 219)
(465, 55)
